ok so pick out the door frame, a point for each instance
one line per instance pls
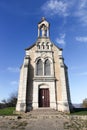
(44, 98)
(43, 88)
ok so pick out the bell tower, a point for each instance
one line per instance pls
(43, 28)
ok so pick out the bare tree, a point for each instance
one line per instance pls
(11, 101)
(84, 104)
(4, 101)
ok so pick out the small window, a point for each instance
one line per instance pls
(47, 68)
(38, 46)
(43, 45)
(47, 45)
(39, 70)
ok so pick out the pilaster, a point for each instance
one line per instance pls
(21, 103)
(63, 105)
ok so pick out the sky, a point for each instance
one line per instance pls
(68, 30)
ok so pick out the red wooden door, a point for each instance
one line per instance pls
(44, 98)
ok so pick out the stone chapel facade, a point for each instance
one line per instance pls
(43, 75)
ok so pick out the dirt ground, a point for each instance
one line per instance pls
(60, 122)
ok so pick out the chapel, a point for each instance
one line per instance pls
(43, 75)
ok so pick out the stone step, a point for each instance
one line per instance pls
(44, 113)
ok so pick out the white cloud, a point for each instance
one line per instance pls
(56, 7)
(14, 83)
(77, 67)
(81, 11)
(61, 39)
(73, 8)
(82, 39)
(82, 74)
(81, 14)
(82, 4)
(13, 69)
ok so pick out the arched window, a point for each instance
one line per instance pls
(47, 68)
(38, 46)
(47, 45)
(43, 45)
(39, 70)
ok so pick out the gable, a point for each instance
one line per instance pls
(30, 47)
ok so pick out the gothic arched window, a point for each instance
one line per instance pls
(47, 68)
(39, 70)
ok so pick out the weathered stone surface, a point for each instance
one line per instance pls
(43, 119)
(56, 82)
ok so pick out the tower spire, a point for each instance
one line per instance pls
(43, 28)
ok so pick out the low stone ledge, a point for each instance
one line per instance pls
(83, 117)
(70, 117)
(8, 117)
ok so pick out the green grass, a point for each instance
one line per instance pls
(7, 111)
(79, 113)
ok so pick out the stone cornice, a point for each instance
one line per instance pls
(44, 79)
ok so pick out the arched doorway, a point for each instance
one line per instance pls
(44, 97)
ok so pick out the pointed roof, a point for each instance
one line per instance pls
(43, 21)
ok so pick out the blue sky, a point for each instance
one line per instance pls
(18, 30)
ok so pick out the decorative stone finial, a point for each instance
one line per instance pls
(43, 18)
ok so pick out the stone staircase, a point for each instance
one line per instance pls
(44, 113)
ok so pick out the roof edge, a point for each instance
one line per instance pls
(30, 46)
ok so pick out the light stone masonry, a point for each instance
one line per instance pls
(43, 75)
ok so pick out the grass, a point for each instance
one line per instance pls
(7, 111)
(79, 111)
